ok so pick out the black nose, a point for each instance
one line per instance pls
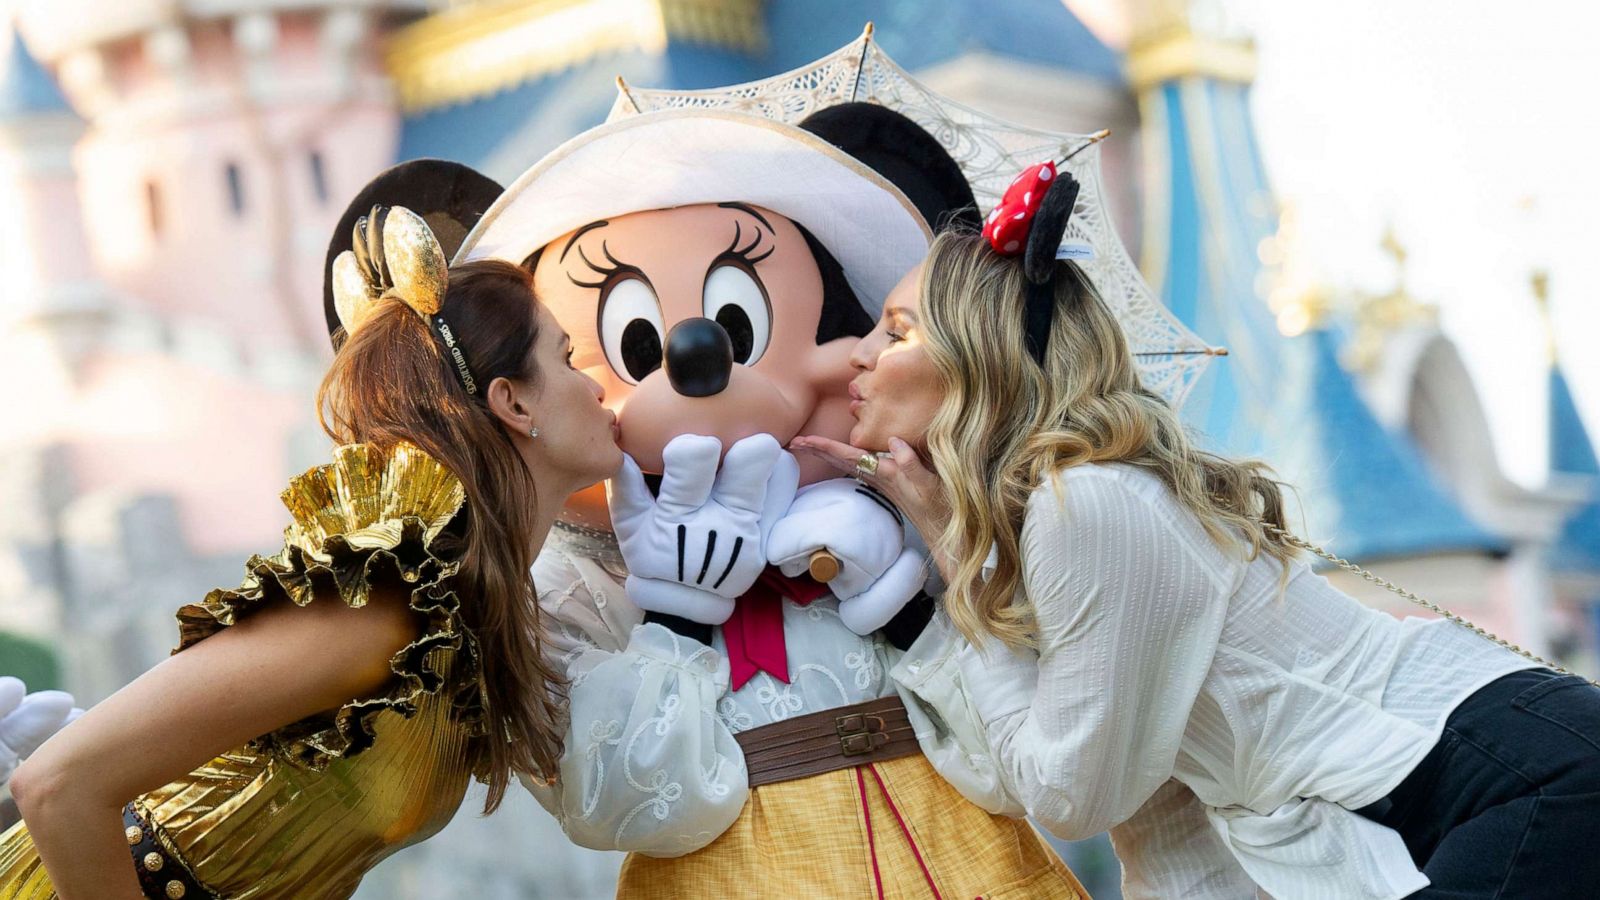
(699, 358)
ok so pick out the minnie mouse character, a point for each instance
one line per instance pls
(732, 720)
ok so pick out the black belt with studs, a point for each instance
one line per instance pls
(161, 875)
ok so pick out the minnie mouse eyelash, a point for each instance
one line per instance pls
(743, 254)
(606, 273)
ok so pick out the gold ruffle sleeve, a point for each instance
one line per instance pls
(370, 518)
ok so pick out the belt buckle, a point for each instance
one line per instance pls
(860, 733)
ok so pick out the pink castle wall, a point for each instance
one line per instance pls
(206, 373)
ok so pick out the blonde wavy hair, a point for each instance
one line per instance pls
(1005, 425)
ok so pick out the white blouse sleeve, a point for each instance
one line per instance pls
(1170, 849)
(935, 678)
(1128, 617)
(648, 764)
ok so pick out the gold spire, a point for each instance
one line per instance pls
(1539, 281)
(1377, 316)
(1175, 39)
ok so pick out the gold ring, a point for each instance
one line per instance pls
(867, 464)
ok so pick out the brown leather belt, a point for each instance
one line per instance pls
(827, 741)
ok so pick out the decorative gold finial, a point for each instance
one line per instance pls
(1391, 245)
(1088, 142)
(622, 88)
(1539, 281)
(866, 33)
(1379, 315)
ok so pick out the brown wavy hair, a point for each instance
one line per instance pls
(392, 382)
(1006, 425)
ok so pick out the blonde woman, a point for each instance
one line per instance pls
(1128, 641)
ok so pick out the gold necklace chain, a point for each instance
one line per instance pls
(1435, 608)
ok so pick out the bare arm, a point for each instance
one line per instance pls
(275, 667)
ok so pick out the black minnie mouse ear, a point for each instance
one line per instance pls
(449, 196)
(1049, 227)
(905, 153)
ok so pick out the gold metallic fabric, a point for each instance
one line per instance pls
(305, 811)
(820, 836)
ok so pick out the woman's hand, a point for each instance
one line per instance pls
(900, 476)
(276, 666)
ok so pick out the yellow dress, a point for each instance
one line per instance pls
(890, 830)
(305, 811)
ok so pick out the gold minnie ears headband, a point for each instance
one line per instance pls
(394, 252)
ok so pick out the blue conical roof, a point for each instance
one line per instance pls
(549, 109)
(25, 87)
(919, 35)
(1572, 453)
(1367, 489)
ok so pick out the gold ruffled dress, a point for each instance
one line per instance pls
(305, 811)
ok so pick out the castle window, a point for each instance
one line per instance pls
(319, 176)
(235, 189)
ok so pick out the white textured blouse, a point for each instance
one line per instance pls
(1221, 723)
(650, 762)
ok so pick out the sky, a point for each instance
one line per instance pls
(1469, 126)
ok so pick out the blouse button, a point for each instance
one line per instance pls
(175, 890)
(133, 835)
(410, 575)
(153, 861)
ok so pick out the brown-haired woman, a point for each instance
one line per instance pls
(1166, 668)
(332, 708)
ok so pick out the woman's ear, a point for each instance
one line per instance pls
(509, 406)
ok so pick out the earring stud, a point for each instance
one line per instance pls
(533, 432)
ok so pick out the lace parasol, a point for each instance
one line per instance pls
(990, 152)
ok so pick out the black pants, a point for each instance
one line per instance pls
(1507, 804)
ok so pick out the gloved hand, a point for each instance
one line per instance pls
(28, 720)
(701, 543)
(878, 574)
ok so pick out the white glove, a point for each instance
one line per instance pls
(878, 574)
(27, 720)
(692, 550)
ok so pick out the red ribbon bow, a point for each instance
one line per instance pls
(754, 633)
(1008, 224)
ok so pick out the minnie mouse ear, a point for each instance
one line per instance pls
(1049, 227)
(449, 196)
(905, 153)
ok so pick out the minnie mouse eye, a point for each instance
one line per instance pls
(735, 299)
(630, 328)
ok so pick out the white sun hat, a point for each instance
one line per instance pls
(684, 157)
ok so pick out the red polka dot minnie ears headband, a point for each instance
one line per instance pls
(1031, 221)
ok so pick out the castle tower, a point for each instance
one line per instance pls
(1225, 260)
(1208, 212)
(48, 316)
(223, 138)
(177, 169)
(1574, 556)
